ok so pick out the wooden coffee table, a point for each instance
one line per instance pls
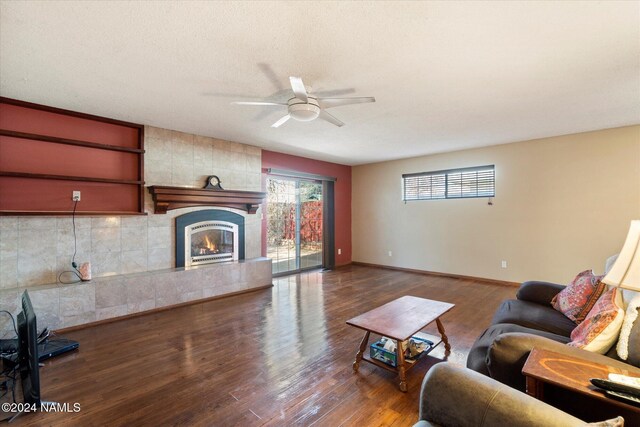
(400, 319)
(571, 373)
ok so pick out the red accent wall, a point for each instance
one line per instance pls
(41, 195)
(342, 189)
(25, 119)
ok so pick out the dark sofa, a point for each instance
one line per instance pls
(529, 321)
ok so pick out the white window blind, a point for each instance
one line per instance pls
(450, 184)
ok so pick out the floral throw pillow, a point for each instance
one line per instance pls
(601, 328)
(576, 300)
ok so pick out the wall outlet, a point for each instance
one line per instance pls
(75, 196)
(339, 251)
(504, 264)
(390, 253)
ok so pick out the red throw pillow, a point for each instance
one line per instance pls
(576, 300)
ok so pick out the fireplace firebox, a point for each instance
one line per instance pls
(210, 241)
(209, 236)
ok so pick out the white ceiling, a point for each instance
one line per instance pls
(446, 75)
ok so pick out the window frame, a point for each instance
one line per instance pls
(444, 189)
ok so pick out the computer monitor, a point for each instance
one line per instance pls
(28, 352)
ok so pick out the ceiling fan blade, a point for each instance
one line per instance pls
(334, 92)
(338, 102)
(298, 88)
(257, 103)
(271, 75)
(281, 121)
(328, 117)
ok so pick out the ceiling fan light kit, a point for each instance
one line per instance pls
(304, 112)
(305, 107)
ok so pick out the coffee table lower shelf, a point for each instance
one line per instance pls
(407, 364)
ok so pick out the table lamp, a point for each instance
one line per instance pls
(625, 273)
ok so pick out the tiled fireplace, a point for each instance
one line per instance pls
(133, 258)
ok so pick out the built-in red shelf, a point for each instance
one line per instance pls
(46, 153)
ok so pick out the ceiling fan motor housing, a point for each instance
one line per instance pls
(304, 112)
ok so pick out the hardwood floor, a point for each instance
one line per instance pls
(274, 357)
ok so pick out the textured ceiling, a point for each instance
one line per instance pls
(446, 75)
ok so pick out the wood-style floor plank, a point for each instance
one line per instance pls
(274, 357)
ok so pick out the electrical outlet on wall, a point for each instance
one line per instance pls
(339, 251)
(390, 253)
(504, 264)
(75, 196)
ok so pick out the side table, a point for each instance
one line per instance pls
(570, 373)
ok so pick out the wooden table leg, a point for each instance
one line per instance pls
(401, 369)
(363, 346)
(445, 340)
(535, 388)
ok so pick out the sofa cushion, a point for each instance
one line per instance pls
(539, 292)
(576, 300)
(477, 358)
(535, 316)
(628, 347)
(601, 328)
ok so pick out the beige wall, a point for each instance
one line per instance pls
(562, 205)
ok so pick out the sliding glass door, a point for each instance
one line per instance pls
(294, 224)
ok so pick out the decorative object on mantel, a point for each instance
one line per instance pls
(169, 198)
(213, 183)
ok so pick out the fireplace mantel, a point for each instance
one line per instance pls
(168, 198)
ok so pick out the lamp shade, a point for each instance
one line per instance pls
(625, 273)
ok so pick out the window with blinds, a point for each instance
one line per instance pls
(463, 183)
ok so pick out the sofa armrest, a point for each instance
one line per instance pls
(508, 353)
(455, 396)
(538, 292)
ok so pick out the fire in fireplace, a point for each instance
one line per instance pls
(210, 241)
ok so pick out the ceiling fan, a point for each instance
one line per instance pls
(304, 106)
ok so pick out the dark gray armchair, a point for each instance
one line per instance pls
(453, 396)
